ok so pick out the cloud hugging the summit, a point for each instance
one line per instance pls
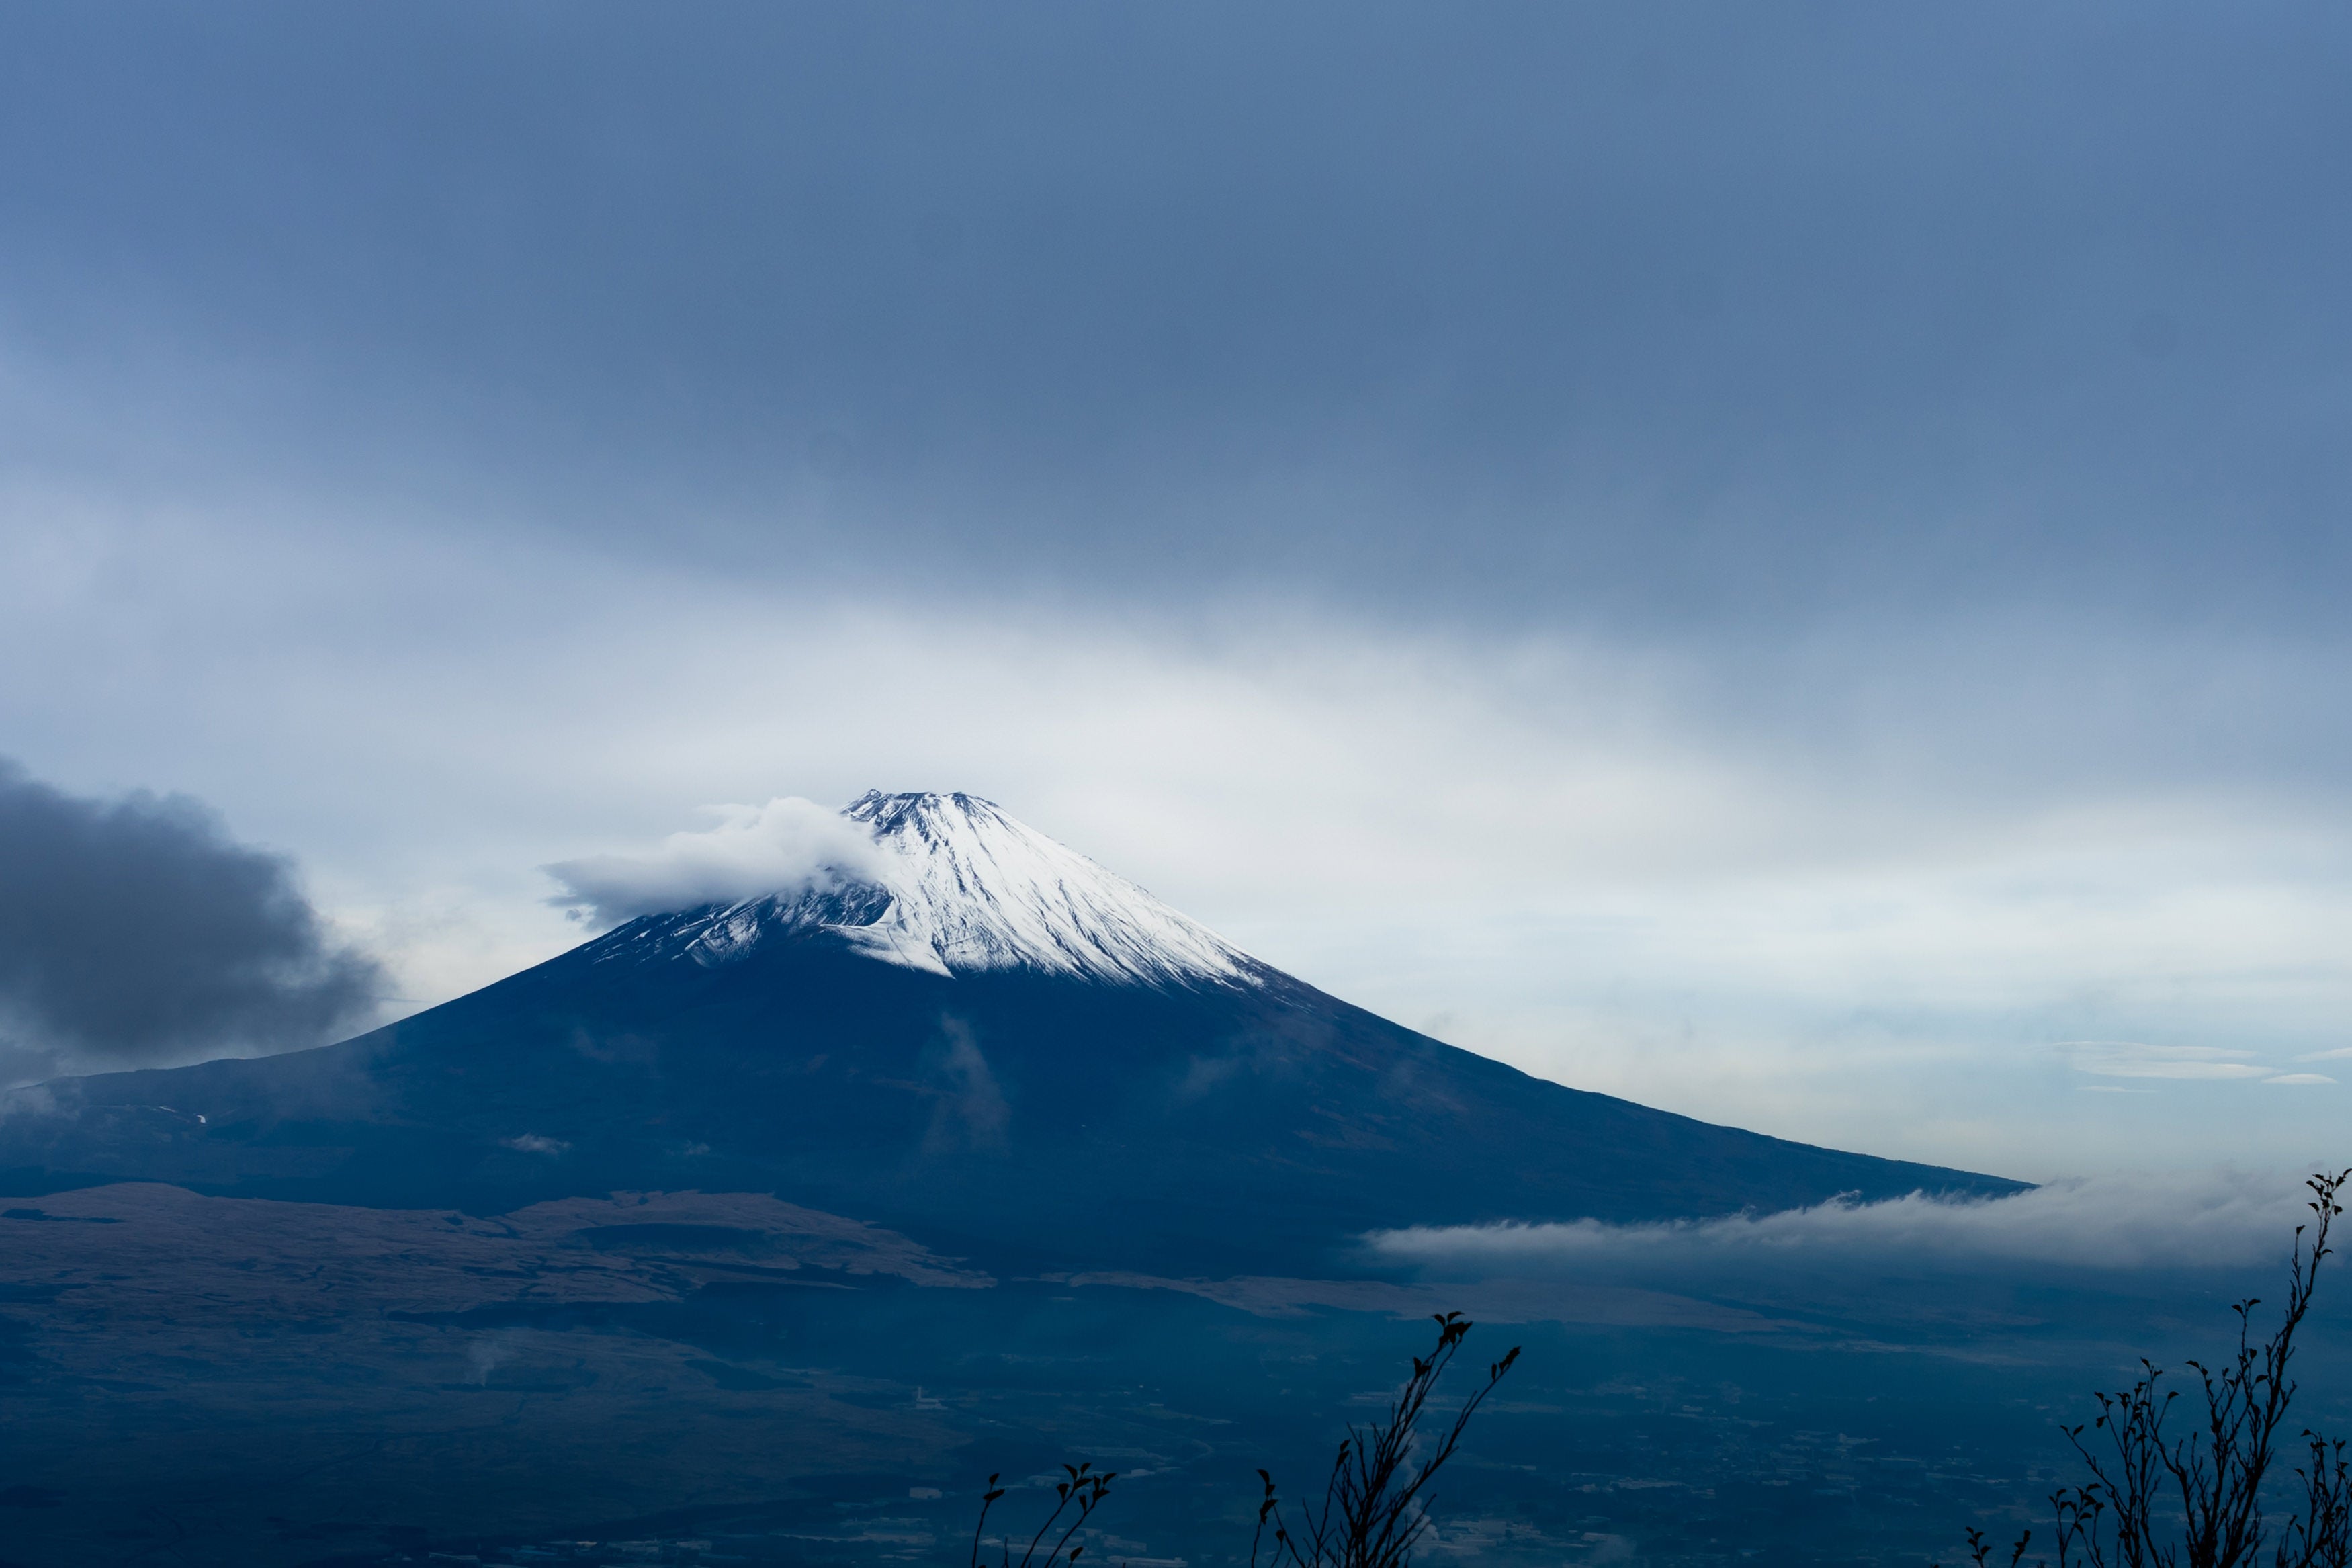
(137, 932)
(784, 847)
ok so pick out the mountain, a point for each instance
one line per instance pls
(976, 1037)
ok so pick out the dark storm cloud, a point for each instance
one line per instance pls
(1663, 313)
(137, 931)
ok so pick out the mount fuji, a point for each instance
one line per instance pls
(968, 1033)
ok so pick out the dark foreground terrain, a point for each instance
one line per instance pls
(206, 1379)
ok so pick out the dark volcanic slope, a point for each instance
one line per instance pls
(1006, 1114)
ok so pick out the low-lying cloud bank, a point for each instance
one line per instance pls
(137, 932)
(784, 847)
(2185, 1220)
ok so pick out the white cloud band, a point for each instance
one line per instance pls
(787, 845)
(2226, 1218)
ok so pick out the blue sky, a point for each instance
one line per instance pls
(1783, 561)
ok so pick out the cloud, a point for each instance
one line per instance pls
(486, 1356)
(2340, 1053)
(2214, 1219)
(784, 847)
(1608, 312)
(38, 1099)
(2129, 1059)
(2300, 1077)
(136, 931)
(535, 1144)
(970, 1109)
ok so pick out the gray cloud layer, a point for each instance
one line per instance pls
(1945, 391)
(137, 931)
(1682, 313)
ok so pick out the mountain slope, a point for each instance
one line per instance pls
(997, 1048)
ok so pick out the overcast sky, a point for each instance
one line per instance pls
(1785, 562)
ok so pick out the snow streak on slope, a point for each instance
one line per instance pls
(964, 888)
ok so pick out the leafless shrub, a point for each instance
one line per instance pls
(1375, 1504)
(2157, 1500)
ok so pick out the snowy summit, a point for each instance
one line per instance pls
(959, 887)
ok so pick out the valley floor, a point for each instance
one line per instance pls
(717, 1378)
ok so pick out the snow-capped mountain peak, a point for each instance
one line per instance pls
(960, 887)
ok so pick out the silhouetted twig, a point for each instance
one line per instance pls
(1374, 1506)
(1084, 1490)
(2155, 1500)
